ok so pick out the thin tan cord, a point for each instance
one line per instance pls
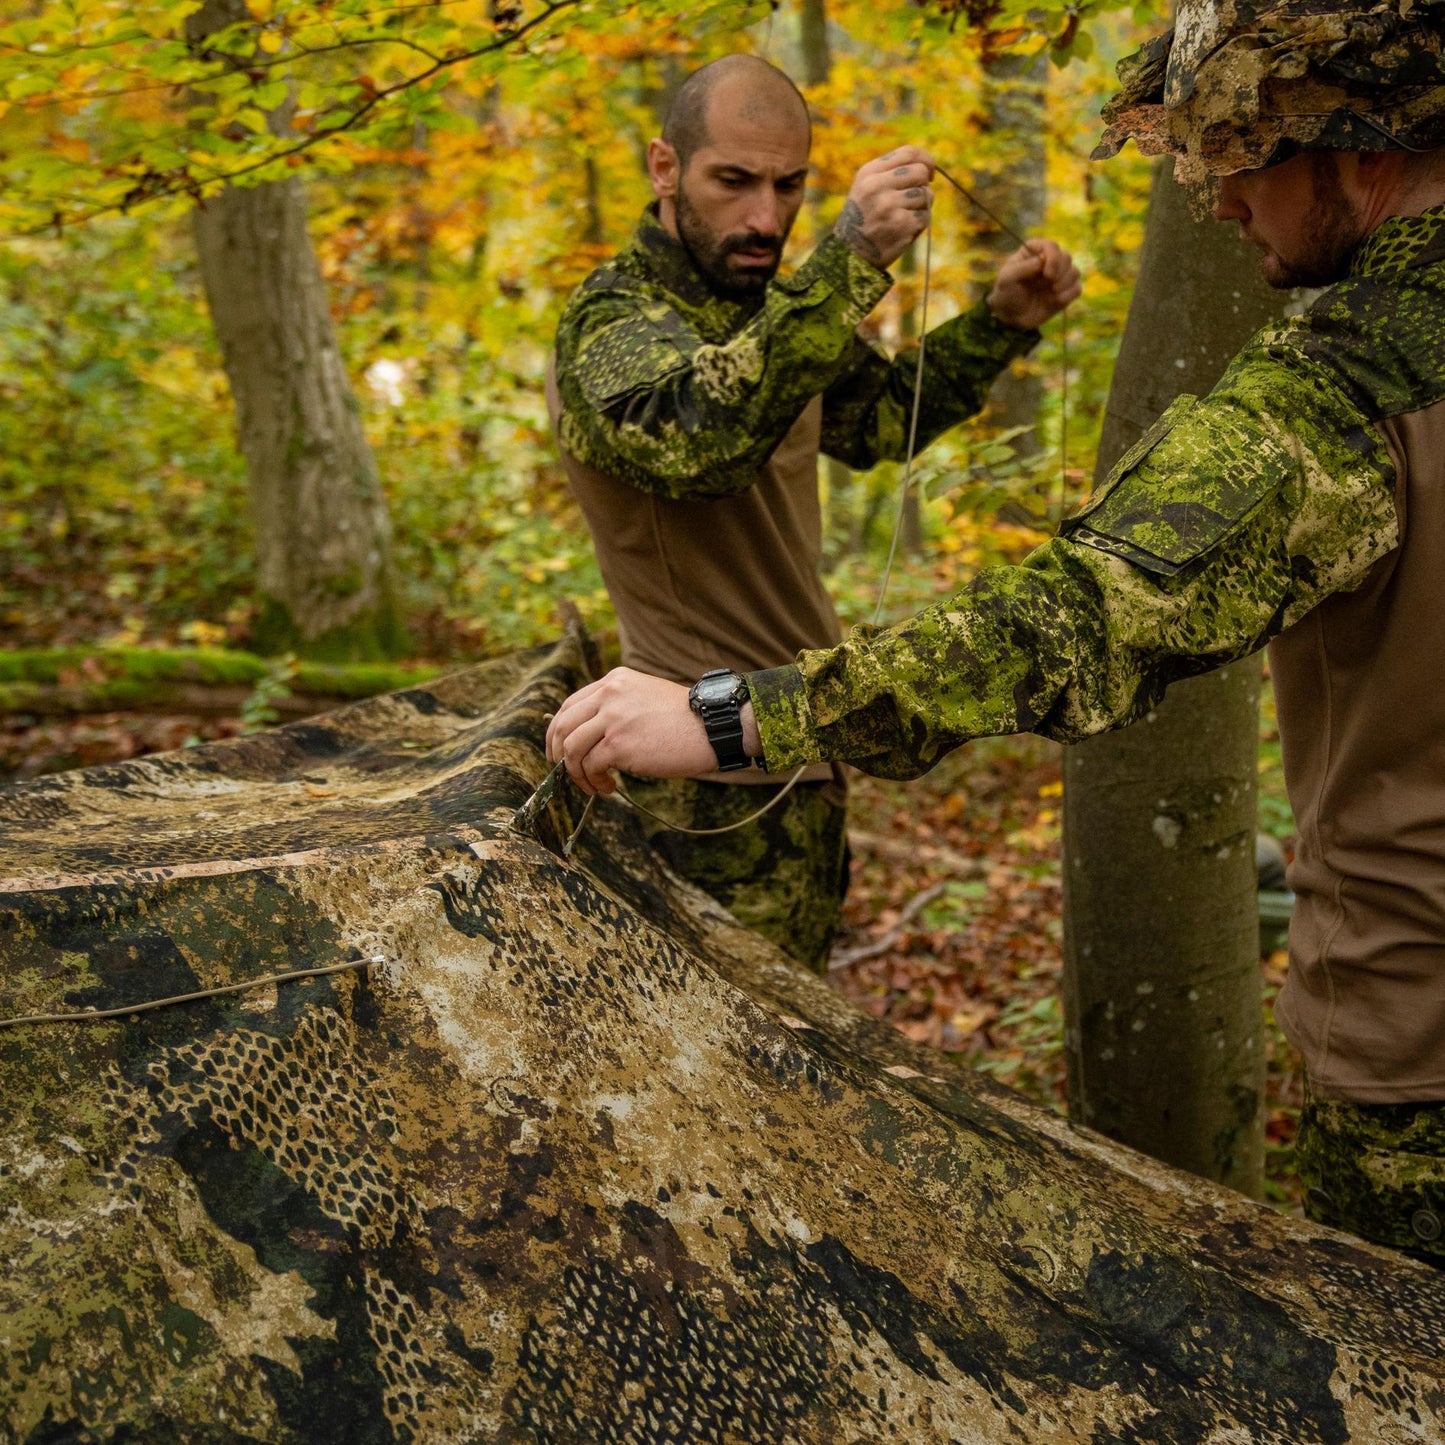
(969, 196)
(1009, 231)
(1063, 417)
(912, 425)
(155, 1003)
(752, 817)
(577, 831)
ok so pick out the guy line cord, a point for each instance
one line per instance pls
(126, 1010)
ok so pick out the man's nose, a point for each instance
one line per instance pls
(765, 215)
(1230, 207)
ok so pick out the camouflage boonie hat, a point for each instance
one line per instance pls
(1240, 84)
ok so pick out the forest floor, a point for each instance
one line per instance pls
(953, 921)
(955, 927)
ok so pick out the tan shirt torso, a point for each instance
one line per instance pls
(1360, 689)
(714, 581)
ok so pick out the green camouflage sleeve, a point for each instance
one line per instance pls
(1229, 520)
(648, 401)
(867, 410)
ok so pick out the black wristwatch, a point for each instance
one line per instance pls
(717, 697)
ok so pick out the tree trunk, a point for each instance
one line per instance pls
(1161, 975)
(593, 231)
(844, 526)
(660, 85)
(1014, 88)
(322, 534)
(323, 537)
(485, 112)
(813, 40)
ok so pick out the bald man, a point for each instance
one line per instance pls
(692, 391)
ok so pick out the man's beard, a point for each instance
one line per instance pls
(710, 253)
(1332, 233)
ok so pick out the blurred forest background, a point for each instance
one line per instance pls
(463, 164)
(450, 228)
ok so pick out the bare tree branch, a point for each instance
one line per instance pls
(846, 958)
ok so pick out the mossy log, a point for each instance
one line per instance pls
(580, 1158)
(209, 681)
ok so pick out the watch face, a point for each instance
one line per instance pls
(713, 691)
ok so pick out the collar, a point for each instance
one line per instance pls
(669, 264)
(1401, 243)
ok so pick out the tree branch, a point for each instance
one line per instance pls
(846, 958)
(182, 180)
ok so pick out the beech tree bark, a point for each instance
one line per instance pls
(1164, 1029)
(813, 41)
(323, 537)
(1014, 89)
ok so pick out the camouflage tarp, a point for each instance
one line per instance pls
(580, 1159)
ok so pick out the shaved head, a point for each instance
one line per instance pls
(731, 169)
(743, 86)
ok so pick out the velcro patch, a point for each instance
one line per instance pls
(1188, 482)
(633, 355)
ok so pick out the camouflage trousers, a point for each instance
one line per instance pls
(1378, 1171)
(784, 875)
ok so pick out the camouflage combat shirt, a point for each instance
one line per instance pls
(1226, 523)
(684, 393)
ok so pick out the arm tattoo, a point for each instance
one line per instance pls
(849, 229)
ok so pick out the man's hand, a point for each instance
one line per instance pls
(888, 206)
(631, 721)
(1034, 285)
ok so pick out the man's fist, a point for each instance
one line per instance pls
(1033, 285)
(888, 206)
(638, 724)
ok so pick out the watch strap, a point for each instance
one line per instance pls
(722, 720)
(726, 736)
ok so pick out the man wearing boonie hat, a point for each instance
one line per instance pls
(1301, 504)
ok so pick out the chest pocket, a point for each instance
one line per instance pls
(1181, 489)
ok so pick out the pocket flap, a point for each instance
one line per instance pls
(632, 356)
(1164, 423)
(1163, 516)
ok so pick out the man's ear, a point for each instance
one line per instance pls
(663, 169)
(1381, 170)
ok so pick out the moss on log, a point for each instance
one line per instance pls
(580, 1158)
(49, 682)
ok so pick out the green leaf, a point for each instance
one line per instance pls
(271, 95)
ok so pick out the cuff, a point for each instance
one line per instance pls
(836, 267)
(784, 718)
(979, 333)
